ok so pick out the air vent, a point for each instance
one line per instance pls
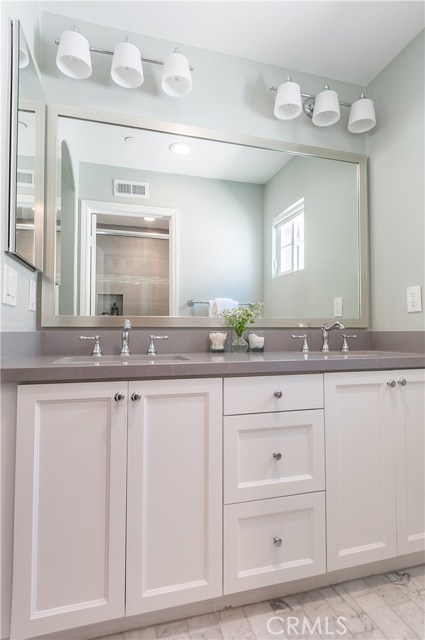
(25, 177)
(128, 189)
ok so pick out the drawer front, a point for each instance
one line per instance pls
(264, 394)
(273, 454)
(272, 541)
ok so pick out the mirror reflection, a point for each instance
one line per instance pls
(144, 231)
(27, 156)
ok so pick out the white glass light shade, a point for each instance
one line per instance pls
(362, 116)
(326, 108)
(288, 101)
(73, 56)
(176, 76)
(126, 68)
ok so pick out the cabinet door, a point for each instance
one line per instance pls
(271, 541)
(69, 546)
(410, 462)
(360, 468)
(174, 512)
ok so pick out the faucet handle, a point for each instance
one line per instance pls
(97, 349)
(304, 348)
(345, 348)
(151, 350)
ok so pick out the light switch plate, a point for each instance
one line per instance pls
(10, 286)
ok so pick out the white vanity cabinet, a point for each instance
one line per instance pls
(99, 534)
(374, 465)
(274, 480)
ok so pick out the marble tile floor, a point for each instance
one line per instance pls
(389, 606)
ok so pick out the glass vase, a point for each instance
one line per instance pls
(239, 345)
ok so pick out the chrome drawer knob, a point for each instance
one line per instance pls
(119, 396)
(277, 455)
(277, 394)
(391, 383)
(277, 541)
(402, 382)
(135, 396)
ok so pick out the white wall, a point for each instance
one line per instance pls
(396, 150)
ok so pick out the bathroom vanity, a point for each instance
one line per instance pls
(146, 487)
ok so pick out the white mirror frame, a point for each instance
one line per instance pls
(48, 318)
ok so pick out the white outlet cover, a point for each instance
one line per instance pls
(414, 299)
(32, 295)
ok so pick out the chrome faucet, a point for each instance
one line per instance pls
(125, 351)
(325, 333)
(151, 350)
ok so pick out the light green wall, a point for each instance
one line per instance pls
(396, 150)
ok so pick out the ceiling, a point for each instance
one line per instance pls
(347, 40)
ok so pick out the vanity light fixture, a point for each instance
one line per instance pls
(324, 108)
(73, 59)
(180, 148)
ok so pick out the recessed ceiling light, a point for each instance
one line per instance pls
(130, 139)
(181, 148)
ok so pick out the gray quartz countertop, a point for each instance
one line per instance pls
(190, 365)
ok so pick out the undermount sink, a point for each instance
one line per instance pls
(117, 360)
(341, 356)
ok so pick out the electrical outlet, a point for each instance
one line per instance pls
(414, 299)
(338, 307)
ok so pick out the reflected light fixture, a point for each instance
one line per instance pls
(324, 108)
(74, 60)
(180, 148)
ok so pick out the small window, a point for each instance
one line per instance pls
(288, 240)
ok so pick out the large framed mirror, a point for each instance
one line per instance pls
(26, 155)
(138, 231)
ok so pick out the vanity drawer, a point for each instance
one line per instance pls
(271, 541)
(264, 394)
(270, 455)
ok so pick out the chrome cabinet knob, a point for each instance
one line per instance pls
(135, 396)
(119, 396)
(391, 383)
(277, 394)
(277, 541)
(402, 382)
(277, 455)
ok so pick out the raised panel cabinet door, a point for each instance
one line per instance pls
(360, 468)
(269, 455)
(410, 460)
(271, 541)
(69, 540)
(174, 511)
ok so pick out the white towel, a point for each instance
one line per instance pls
(225, 304)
